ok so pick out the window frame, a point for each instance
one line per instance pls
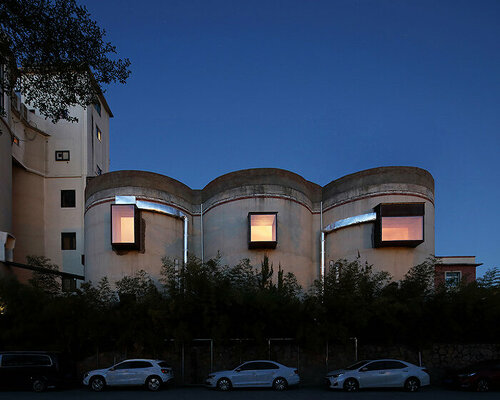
(73, 235)
(67, 191)
(262, 244)
(136, 244)
(454, 285)
(65, 155)
(397, 210)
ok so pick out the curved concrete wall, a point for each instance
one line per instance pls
(223, 207)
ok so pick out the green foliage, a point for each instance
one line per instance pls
(211, 300)
(56, 55)
(49, 283)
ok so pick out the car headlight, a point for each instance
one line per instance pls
(334, 375)
(211, 376)
(85, 375)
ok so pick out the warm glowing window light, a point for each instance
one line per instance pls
(123, 224)
(263, 228)
(402, 228)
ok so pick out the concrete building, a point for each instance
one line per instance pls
(384, 216)
(44, 167)
(58, 200)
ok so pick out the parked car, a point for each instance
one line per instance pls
(37, 370)
(151, 373)
(379, 374)
(481, 376)
(258, 373)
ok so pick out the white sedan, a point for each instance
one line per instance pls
(151, 373)
(258, 373)
(379, 374)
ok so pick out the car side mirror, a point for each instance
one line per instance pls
(364, 369)
(112, 369)
(238, 369)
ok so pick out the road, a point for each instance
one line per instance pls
(200, 393)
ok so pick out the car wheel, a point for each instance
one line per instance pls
(224, 384)
(482, 385)
(412, 384)
(153, 383)
(280, 384)
(97, 383)
(39, 385)
(351, 385)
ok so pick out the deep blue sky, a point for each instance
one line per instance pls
(320, 88)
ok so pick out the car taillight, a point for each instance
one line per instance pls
(165, 370)
(296, 371)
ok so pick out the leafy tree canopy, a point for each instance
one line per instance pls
(55, 55)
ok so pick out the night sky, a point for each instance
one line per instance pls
(320, 88)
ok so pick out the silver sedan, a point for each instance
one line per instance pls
(379, 374)
(258, 373)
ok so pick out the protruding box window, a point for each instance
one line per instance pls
(262, 230)
(399, 224)
(124, 226)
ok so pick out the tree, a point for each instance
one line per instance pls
(47, 282)
(55, 55)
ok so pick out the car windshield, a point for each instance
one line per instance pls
(359, 364)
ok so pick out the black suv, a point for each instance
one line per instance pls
(37, 370)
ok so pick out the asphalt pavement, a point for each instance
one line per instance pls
(201, 393)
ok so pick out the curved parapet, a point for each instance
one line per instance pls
(253, 212)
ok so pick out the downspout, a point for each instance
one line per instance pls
(201, 229)
(322, 266)
(185, 218)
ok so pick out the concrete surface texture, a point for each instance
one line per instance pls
(218, 219)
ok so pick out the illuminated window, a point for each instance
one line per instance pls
(98, 133)
(399, 224)
(68, 241)
(452, 278)
(262, 230)
(124, 226)
(15, 140)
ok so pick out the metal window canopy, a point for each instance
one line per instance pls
(159, 208)
(358, 219)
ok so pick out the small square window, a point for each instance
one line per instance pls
(399, 224)
(68, 284)
(262, 230)
(452, 278)
(98, 170)
(68, 241)
(124, 226)
(68, 198)
(62, 155)
(98, 133)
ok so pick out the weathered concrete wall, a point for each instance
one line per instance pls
(161, 235)
(227, 200)
(28, 223)
(226, 230)
(5, 178)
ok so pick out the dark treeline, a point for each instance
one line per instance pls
(214, 301)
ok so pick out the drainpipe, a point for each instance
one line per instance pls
(185, 218)
(322, 266)
(201, 229)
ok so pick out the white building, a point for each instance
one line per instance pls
(43, 172)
